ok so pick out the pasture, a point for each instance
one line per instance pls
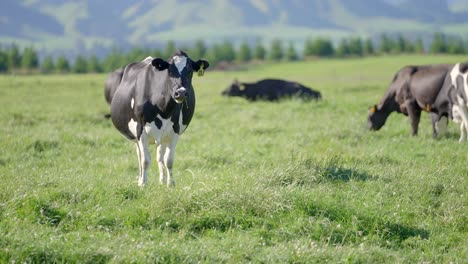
(255, 182)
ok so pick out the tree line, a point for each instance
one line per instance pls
(12, 59)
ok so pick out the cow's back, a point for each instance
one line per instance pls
(427, 82)
(274, 89)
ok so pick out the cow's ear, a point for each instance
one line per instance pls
(200, 66)
(160, 64)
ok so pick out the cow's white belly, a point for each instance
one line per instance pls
(154, 134)
(161, 135)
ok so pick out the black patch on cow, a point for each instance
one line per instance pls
(175, 121)
(158, 122)
(160, 64)
(463, 67)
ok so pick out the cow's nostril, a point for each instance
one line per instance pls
(176, 94)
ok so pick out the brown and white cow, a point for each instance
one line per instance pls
(414, 89)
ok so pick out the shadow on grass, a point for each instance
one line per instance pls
(332, 170)
(308, 172)
(387, 232)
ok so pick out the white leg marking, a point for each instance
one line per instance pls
(145, 159)
(132, 103)
(169, 160)
(160, 151)
(462, 132)
(137, 147)
(464, 123)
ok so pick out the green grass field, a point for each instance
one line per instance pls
(287, 182)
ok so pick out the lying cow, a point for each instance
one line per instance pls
(113, 81)
(154, 103)
(414, 89)
(452, 100)
(271, 90)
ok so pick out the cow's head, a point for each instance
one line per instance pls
(235, 89)
(180, 70)
(376, 118)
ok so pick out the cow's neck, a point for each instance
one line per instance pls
(389, 103)
(161, 96)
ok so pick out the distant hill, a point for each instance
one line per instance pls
(71, 27)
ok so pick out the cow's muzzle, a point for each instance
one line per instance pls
(180, 95)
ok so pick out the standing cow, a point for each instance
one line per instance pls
(452, 100)
(414, 89)
(154, 103)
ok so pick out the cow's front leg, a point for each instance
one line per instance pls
(414, 114)
(160, 151)
(144, 159)
(464, 123)
(439, 126)
(434, 120)
(463, 129)
(169, 160)
(138, 152)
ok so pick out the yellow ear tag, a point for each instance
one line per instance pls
(201, 71)
(372, 109)
(428, 107)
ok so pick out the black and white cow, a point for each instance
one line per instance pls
(459, 76)
(270, 90)
(154, 103)
(453, 98)
(413, 89)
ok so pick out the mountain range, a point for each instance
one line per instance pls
(84, 26)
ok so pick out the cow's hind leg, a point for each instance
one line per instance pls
(463, 124)
(169, 160)
(144, 159)
(414, 114)
(160, 152)
(463, 111)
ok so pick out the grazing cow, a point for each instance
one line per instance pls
(452, 100)
(413, 89)
(271, 90)
(154, 103)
